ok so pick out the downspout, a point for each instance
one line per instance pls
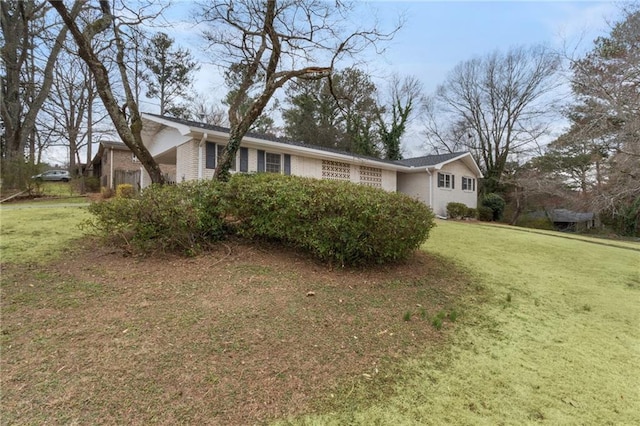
(435, 169)
(200, 149)
(110, 168)
(430, 188)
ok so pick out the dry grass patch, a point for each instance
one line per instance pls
(238, 336)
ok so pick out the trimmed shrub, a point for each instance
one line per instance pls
(485, 214)
(125, 190)
(471, 213)
(496, 203)
(183, 217)
(336, 221)
(456, 210)
(92, 184)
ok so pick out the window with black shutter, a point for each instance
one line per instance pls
(260, 161)
(210, 155)
(244, 160)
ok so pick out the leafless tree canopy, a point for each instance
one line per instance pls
(273, 42)
(405, 98)
(126, 118)
(495, 106)
(31, 44)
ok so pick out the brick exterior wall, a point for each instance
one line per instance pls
(124, 160)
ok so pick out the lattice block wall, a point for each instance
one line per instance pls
(336, 170)
(371, 176)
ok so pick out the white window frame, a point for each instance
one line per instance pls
(447, 180)
(269, 165)
(468, 184)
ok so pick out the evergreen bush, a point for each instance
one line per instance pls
(496, 203)
(183, 217)
(336, 221)
(472, 213)
(456, 210)
(485, 214)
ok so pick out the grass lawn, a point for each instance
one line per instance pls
(536, 328)
(557, 340)
(36, 232)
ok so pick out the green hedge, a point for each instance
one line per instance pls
(336, 221)
(183, 218)
(339, 222)
(456, 210)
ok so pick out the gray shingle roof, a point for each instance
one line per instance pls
(564, 215)
(428, 160)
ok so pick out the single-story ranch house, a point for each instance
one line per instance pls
(190, 150)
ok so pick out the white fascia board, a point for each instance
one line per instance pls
(467, 158)
(285, 148)
(181, 128)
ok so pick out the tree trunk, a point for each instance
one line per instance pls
(129, 133)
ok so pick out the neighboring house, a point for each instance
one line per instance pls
(567, 220)
(193, 148)
(115, 164)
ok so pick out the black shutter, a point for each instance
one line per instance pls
(210, 155)
(260, 161)
(287, 164)
(453, 182)
(244, 160)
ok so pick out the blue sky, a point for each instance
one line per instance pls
(436, 36)
(439, 35)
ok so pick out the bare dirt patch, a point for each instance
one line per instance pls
(240, 335)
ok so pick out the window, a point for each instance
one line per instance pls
(210, 155)
(272, 163)
(244, 159)
(446, 180)
(134, 159)
(468, 184)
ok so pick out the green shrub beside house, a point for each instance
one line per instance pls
(338, 222)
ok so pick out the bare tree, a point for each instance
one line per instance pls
(31, 46)
(275, 42)
(126, 118)
(445, 136)
(206, 111)
(498, 102)
(405, 95)
(65, 112)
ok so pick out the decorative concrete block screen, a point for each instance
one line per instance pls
(336, 170)
(371, 176)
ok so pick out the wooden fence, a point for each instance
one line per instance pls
(132, 177)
